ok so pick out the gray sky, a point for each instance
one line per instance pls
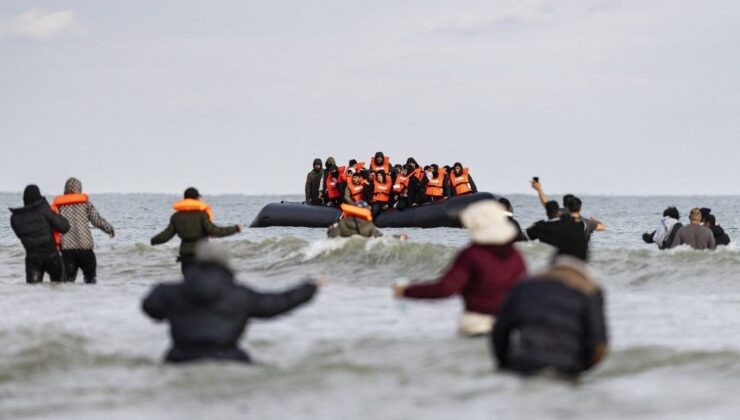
(601, 97)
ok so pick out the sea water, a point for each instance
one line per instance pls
(78, 351)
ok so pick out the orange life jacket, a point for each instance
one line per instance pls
(66, 200)
(401, 184)
(354, 211)
(418, 173)
(461, 183)
(357, 191)
(344, 171)
(435, 185)
(386, 166)
(190, 204)
(382, 192)
(332, 191)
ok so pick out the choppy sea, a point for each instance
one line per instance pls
(73, 351)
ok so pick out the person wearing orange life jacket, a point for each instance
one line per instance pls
(436, 185)
(356, 189)
(192, 221)
(77, 244)
(322, 191)
(400, 190)
(333, 195)
(356, 219)
(379, 162)
(461, 183)
(382, 188)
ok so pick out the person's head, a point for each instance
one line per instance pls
(705, 212)
(552, 208)
(397, 167)
(567, 198)
(317, 164)
(435, 168)
(330, 162)
(457, 167)
(412, 161)
(31, 194)
(379, 158)
(488, 223)
(710, 221)
(380, 176)
(407, 169)
(213, 253)
(671, 212)
(356, 178)
(352, 163)
(191, 193)
(695, 216)
(506, 203)
(371, 175)
(574, 205)
(73, 186)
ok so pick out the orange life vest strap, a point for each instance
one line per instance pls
(190, 204)
(354, 211)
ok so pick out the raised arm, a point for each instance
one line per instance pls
(268, 305)
(540, 192)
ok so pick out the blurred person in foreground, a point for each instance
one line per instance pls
(483, 273)
(552, 321)
(209, 310)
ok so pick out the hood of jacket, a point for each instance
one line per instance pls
(73, 186)
(330, 162)
(31, 207)
(207, 282)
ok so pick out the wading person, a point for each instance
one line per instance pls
(483, 273)
(191, 222)
(667, 229)
(36, 225)
(553, 320)
(77, 244)
(694, 234)
(208, 311)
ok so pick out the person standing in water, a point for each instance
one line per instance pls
(553, 320)
(77, 244)
(694, 234)
(192, 221)
(209, 310)
(483, 273)
(35, 224)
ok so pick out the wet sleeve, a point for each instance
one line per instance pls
(57, 221)
(217, 231)
(503, 326)
(268, 305)
(97, 220)
(450, 284)
(596, 334)
(155, 303)
(164, 235)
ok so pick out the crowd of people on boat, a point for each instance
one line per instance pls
(383, 184)
(553, 319)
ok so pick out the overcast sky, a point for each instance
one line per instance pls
(601, 97)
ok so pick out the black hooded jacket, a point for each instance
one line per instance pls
(35, 224)
(552, 320)
(208, 312)
(720, 237)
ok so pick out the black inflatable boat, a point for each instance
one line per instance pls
(443, 213)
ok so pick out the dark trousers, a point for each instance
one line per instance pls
(76, 259)
(186, 261)
(377, 208)
(37, 265)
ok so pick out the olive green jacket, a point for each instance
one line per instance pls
(353, 226)
(191, 226)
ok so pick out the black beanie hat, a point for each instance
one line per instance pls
(192, 193)
(31, 194)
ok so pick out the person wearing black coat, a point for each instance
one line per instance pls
(208, 311)
(552, 320)
(34, 224)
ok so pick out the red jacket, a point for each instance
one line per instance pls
(482, 275)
